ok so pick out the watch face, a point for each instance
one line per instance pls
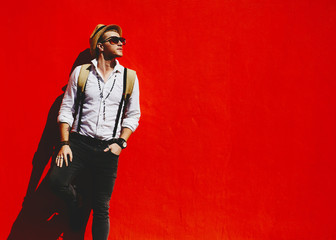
(124, 144)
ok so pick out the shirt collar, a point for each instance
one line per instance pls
(117, 68)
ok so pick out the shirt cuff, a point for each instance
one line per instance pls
(130, 123)
(64, 119)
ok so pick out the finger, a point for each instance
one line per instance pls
(61, 162)
(107, 149)
(70, 156)
(65, 158)
(66, 161)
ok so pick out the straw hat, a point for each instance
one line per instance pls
(97, 32)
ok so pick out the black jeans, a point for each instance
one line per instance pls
(88, 153)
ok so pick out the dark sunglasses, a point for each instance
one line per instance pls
(115, 40)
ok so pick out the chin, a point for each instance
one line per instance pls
(116, 56)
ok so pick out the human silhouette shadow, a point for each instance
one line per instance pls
(43, 214)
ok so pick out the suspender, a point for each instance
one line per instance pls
(128, 83)
(81, 102)
(120, 105)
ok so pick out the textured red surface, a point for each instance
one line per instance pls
(237, 135)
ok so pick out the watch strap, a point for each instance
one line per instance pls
(62, 143)
(121, 142)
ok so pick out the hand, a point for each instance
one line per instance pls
(62, 155)
(114, 148)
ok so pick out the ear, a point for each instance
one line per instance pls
(100, 46)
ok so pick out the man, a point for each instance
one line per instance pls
(94, 133)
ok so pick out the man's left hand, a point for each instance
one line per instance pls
(114, 148)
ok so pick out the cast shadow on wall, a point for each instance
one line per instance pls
(43, 215)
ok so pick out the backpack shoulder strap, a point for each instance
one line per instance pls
(81, 83)
(129, 82)
(84, 73)
(83, 76)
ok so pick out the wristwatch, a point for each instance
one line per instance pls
(62, 143)
(121, 142)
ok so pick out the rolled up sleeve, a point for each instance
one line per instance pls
(132, 112)
(67, 109)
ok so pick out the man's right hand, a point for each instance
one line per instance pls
(63, 155)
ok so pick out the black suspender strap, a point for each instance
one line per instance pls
(80, 102)
(81, 96)
(121, 104)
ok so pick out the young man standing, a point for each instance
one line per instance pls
(95, 128)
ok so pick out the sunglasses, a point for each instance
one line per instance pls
(115, 40)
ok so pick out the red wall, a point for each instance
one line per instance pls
(237, 135)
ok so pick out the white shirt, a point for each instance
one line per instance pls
(92, 120)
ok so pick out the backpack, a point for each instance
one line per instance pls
(129, 79)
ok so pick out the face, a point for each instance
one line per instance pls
(109, 50)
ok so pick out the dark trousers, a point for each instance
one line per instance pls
(88, 154)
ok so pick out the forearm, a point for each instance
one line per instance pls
(125, 133)
(64, 131)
